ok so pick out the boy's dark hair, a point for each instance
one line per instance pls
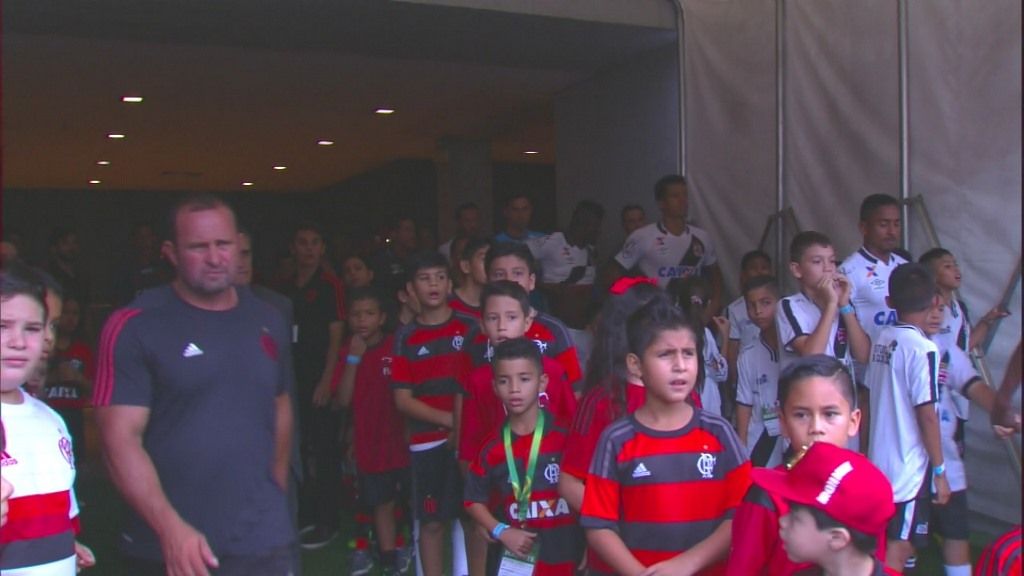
(58, 234)
(517, 249)
(353, 295)
(464, 207)
(761, 282)
(912, 288)
(311, 226)
(505, 288)
(655, 317)
(661, 186)
(692, 294)
(822, 366)
(473, 244)
(518, 349)
(929, 257)
(197, 202)
(628, 208)
(753, 256)
(17, 279)
(861, 541)
(424, 260)
(804, 240)
(515, 196)
(874, 202)
(587, 207)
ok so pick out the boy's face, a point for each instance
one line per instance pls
(431, 286)
(816, 263)
(308, 248)
(756, 267)
(669, 366)
(70, 316)
(503, 318)
(881, 231)
(366, 319)
(816, 411)
(22, 335)
(518, 383)
(761, 306)
(947, 273)
(356, 274)
(474, 267)
(55, 310)
(633, 220)
(934, 317)
(801, 537)
(512, 268)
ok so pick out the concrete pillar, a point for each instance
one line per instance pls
(464, 174)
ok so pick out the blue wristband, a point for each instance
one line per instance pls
(848, 309)
(498, 529)
(939, 470)
(353, 359)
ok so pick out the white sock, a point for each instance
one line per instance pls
(460, 565)
(416, 544)
(961, 570)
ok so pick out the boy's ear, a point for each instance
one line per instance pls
(855, 416)
(633, 365)
(794, 269)
(862, 227)
(465, 266)
(838, 538)
(167, 249)
(543, 380)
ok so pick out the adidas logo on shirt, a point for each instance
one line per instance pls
(191, 350)
(641, 471)
(423, 351)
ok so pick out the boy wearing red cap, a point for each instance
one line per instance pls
(839, 507)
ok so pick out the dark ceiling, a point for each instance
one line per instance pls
(234, 87)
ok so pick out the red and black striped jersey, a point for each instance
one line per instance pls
(432, 362)
(663, 492)
(1002, 557)
(560, 537)
(552, 339)
(460, 305)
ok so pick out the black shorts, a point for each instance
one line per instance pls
(910, 522)
(436, 485)
(383, 487)
(950, 521)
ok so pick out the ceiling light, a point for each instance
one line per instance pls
(246, 183)
(103, 163)
(325, 142)
(115, 136)
(94, 182)
(531, 152)
(280, 167)
(131, 99)
(384, 111)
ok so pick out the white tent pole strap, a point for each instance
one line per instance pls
(681, 50)
(904, 133)
(780, 133)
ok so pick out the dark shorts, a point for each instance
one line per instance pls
(383, 487)
(436, 485)
(910, 522)
(950, 521)
(276, 562)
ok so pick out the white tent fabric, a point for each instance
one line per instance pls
(841, 129)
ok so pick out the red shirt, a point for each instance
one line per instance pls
(68, 394)
(378, 428)
(756, 548)
(461, 305)
(596, 412)
(483, 413)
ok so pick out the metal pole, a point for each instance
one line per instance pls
(904, 135)
(681, 54)
(780, 136)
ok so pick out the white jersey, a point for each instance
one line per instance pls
(955, 333)
(561, 262)
(446, 251)
(869, 278)
(903, 374)
(716, 369)
(757, 386)
(662, 255)
(797, 316)
(740, 326)
(956, 375)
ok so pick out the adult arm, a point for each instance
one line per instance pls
(284, 423)
(322, 393)
(1001, 411)
(185, 549)
(715, 276)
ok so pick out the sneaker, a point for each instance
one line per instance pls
(316, 538)
(405, 557)
(361, 562)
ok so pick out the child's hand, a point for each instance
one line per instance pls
(357, 346)
(722, 325)
(942, 491)
(993, 315)
(1003, 431)
(518, 542)
(843, 289)
(680, 565)
(322, 394)
(825, 292)
(5, 494)
(84, 558)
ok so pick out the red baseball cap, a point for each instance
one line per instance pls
(842, 483)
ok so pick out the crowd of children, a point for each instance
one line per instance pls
(690, 443)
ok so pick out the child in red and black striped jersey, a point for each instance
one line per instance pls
(665, 480)
(520, 462)
(428, 370)
(817, 405)
(469, 263)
